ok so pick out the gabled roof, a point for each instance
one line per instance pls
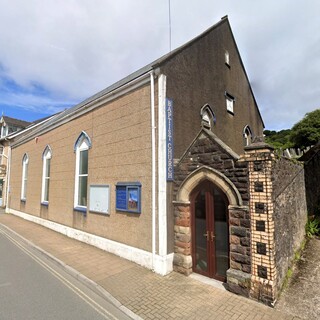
(14, 122)
(86, 105)
(30, 128)
(208, 133)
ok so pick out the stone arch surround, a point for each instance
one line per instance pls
(216, 177)
(239, 222)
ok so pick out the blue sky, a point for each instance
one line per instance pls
(30, 103)
(56, 53)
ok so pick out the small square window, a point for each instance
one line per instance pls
(229, 102)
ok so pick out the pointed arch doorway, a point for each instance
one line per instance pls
(210, 231)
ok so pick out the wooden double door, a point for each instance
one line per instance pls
(210, 231)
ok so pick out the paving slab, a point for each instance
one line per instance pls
(144, 293)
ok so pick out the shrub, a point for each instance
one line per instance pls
(313, 227)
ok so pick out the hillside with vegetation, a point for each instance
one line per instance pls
(302, 135)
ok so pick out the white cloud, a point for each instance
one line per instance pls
(73, 48)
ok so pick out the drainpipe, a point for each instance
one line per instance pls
(153, 178)
(8, 179)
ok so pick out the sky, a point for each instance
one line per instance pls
(56, 53)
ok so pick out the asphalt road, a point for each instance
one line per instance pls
(32, 287)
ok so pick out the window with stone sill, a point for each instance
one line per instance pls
(25, 164)
(46, 165)
(81, 148)
(229, 102)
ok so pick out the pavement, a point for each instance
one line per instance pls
(139, 292)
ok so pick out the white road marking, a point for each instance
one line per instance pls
(104, 312)
(6, 284)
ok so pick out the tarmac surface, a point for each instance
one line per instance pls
(302, 295)
(139, 292)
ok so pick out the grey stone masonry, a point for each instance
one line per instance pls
(290, 212)
(207, 151)
(266, 212)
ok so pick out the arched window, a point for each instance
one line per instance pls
(25, 164)
(46, 164)
(81, 148)
(247, 136)
(208, 118)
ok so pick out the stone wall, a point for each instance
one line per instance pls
(206, 150)
(290, 213)
(266, 223)
(284, 171)
(278, 217)
(208, 154)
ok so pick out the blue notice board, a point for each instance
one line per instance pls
(128, 197)
(169, 139)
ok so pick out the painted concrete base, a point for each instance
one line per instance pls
(162, 265)
(211, 282)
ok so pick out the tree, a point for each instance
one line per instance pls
(307, 131)
(279, 140)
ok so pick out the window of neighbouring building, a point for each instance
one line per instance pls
(46, 160)
(81, 148)
(1, 154)
(25, 164)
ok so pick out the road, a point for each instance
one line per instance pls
(32, 287)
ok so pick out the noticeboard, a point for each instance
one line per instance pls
(100, 199)
(128, 197)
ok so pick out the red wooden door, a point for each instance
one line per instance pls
(210, 236)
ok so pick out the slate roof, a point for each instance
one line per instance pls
(70, 112)
(15, 122)
(149, 67)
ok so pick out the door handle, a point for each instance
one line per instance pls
(206, 235)
(212, 236)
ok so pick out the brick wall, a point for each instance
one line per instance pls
(263, 270)
(278, 215)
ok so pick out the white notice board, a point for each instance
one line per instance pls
(100, 198)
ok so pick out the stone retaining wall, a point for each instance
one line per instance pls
(290, 213)
(266, 216)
